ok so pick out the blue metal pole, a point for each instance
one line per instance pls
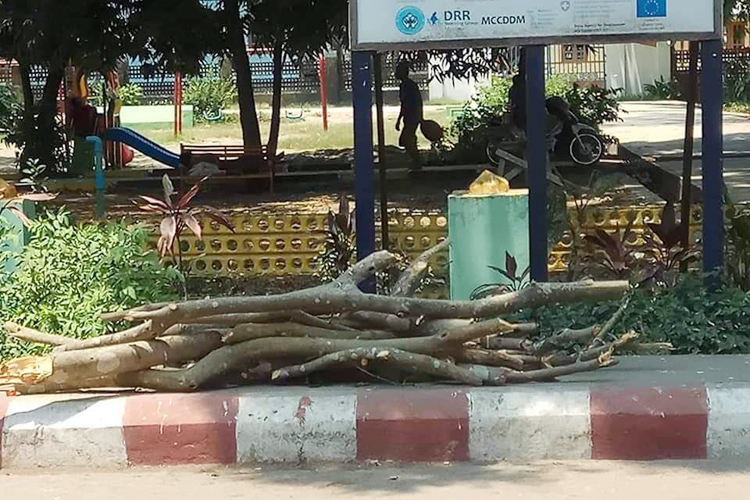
(537, 158)
(364, 174)
(98, 174)
(712, 153)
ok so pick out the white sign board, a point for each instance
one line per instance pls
(417, 24)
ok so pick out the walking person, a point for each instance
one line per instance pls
(412, 114)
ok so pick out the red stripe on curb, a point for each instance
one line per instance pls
(413, 426)
(171, 429)
(4, 402)
(649, 423)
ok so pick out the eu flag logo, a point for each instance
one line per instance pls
(652, 8)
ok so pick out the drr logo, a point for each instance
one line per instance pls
(410, 20)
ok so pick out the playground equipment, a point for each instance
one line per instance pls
(85, 121)
(98, 174)
(142, 144)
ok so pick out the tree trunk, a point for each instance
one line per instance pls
(278, 75)
(41, 140)
(241, 62)
(28, 93)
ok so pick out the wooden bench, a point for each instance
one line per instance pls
(233, 159)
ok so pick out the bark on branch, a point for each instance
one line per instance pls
(412, 278)
(363, 357)
(30, 335)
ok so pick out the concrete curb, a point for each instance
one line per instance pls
(427, 424)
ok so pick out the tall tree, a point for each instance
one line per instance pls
(95, 35)
(294, 29)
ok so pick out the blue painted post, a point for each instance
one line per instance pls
(713, 151)
(537, 157)
(364, 175)
(98, 175)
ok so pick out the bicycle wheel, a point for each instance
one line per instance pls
(586, 149)
(492, 155)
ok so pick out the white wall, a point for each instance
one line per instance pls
(631, 66)
(455, 90)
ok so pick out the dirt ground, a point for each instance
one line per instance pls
(539, 481)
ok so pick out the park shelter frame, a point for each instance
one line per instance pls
(712, 154)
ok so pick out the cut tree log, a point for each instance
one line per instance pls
(363, 357)
(243, 333)
(239, 340)
(412, 278)
(76, 366)
(343, 296)
(140, 332)
(30, 335)
(502, 376)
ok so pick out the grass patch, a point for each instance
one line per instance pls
(303, 134)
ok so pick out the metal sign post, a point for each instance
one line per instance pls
(364, 179)
(713, 147)
(536, 156)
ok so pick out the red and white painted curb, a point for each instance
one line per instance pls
(298, 425)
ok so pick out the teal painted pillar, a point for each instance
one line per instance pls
(99, 182)
(482, 229)
(19, 235)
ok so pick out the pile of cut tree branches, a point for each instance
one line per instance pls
(332, 328)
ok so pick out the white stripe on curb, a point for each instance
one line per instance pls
(728, 423)
(294, 426)
(528, 424)
(42, 431)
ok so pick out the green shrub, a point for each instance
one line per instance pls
(209, 96)
(10, 107)
(662, 90)
(737, 81)
(593, 105)
(694, 319)
(70, 274)
(491, 102)
(131, 94)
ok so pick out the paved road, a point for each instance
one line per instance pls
(542, 481)
(658, 129)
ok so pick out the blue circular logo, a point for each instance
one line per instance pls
(410, 20)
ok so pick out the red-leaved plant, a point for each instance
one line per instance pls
(179, 216)
(36, 197)
(664, 244)
(618, 256)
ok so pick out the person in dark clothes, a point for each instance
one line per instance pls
(82, 117)
(412, 113)
(517, 97)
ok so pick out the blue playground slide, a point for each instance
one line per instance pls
(144, 145)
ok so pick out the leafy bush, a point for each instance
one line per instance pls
(210, 96)
(593, 105)
(41, 138)
(694, 319)
(10, 107)
(131, 94)
(662, 90)
(70, 274)
(737, 81)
